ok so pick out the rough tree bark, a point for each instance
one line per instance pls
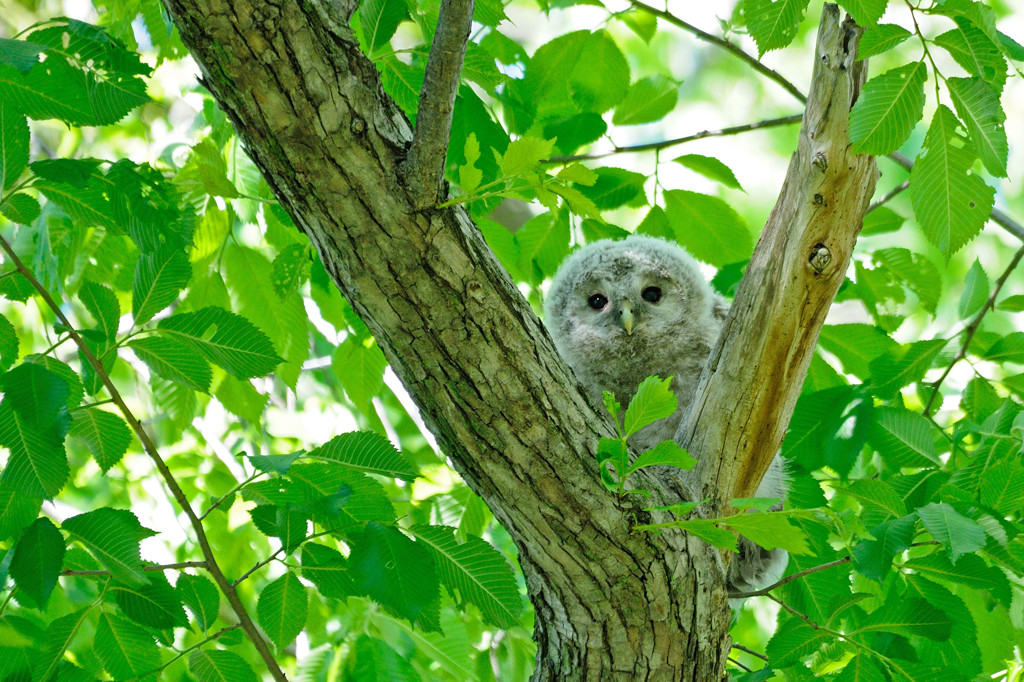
(477, 361)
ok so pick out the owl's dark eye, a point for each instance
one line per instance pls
(597, 301)
(651, 294)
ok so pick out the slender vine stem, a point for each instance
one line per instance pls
(972, 328)
(149, 446)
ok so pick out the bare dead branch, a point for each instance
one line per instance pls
(424, 169)
(743, 403)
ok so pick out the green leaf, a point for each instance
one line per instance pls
(375, 660)
(37, 465)
(159, 278)
(13, 144)
(289, 525)
(214, 665)
(201, 597)
(56, 640)
(708, 227)
(711, 168)
(327, 569)
(578, 173)
(523, 155)
(951, 203)
(879, 500)
(281, 609)
(653, 400)
(914, 271)
(154, 604)
(572, 132)
(976, 289)
(880, 38)
(1010, 348)
(709, 532)
(599, 78)
(396, 572)
(38, 560)
(360, 365)
(773, 23)
(291, 269)
(794, 640)
(862, 668)
(665, 453)
(20, 208)
(903, 438)
(379, 20)
(903, 366)
(888, 108)
(225, 339)
(285, 322)
(112, 536)
(648, 99)
(970, 570)
(614, 187)
(105, 434)
(345, 499)
(856, 345)
(978, 106)
(1013, 304)
(473, 572)
(124, 649)
(469, 175)
(910, 617)
(173, 360)
(102, 304)
(38, 396)
(873, 558)
(17, 510)
(957, 533)
(881, 220)
(8, 344)
(367, 452)
(972, 49)
(865, 12)
(1002, 487)
(770, 531)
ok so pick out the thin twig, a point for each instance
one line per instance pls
(152, 568)
(258, 566)
(734, 130)
(899, 189)
(972, 328)
(149, 446)
(725, 45)
(738, 664)
(749, 651)
(424, 167)
(997, 216)
(791, 578)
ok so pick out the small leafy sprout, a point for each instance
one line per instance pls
(653, 400)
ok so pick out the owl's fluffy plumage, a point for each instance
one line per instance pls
(620, 311)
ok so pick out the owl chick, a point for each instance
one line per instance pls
(620, 311)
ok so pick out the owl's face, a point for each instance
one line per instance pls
(633, 293)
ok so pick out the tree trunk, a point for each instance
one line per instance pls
(505, 408)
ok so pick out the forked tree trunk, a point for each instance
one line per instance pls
(479, 364)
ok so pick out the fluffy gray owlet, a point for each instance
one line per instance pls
(620, 311)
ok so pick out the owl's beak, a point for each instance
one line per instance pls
(626, 318)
